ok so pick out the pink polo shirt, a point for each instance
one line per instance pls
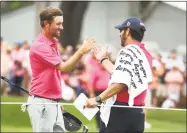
(123, 96)
(44, 56)
(99, 77)
(174, 80)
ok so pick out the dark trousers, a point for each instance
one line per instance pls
(125, 120)
(17, 80)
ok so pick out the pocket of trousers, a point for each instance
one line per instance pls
(42, 111)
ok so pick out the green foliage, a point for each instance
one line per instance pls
(14, 5)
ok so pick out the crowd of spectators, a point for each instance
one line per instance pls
(168, 88)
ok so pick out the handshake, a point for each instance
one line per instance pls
(98, 51)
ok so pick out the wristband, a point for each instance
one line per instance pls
(103, 60)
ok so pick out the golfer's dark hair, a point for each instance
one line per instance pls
(137, 36)
(48, 14)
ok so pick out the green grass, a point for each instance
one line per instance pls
(13, 120)
(6, 128)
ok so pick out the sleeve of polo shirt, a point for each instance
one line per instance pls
(122, 72)
(47, 55)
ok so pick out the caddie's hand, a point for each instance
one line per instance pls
(87, 45)
(91, 103)
(100, 52)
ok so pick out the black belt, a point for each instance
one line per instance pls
(56, 100)
(126, 104)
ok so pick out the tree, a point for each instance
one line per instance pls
(142, 9)
(73, 13)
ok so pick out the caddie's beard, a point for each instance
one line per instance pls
(123, 40)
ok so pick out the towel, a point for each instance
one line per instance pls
(131, 68)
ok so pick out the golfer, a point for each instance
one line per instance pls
(47, 65)
(129, 80)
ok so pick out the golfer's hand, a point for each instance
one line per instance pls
(90, 103)
(87, 45)
(100, 52)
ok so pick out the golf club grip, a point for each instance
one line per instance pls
(17, 86)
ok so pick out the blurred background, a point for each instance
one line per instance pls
(165, 38)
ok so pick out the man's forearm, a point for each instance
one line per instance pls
(71, 62)
(107, 64)
(111, 91)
